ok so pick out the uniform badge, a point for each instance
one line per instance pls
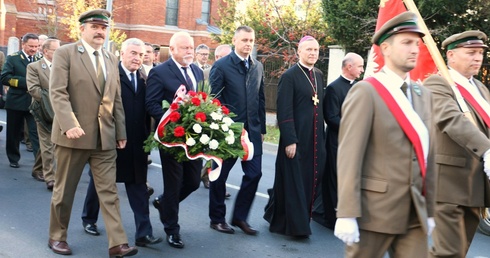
(81, 49)
(417, 90)
(43, 65)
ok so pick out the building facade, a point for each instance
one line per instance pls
(152, 21)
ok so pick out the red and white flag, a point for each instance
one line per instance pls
(425, 65)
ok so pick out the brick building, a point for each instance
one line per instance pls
(152, 21)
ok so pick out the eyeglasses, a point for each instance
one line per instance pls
(203, 54)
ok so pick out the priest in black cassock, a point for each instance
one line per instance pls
(301, 154)
(352, 68)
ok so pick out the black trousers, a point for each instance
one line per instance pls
(180, 179)
(15, 124)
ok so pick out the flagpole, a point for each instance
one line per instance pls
(438, 60)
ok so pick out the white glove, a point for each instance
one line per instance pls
(486, 163)
(431, 224)
(346, 229)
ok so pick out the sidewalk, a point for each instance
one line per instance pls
(270, 119)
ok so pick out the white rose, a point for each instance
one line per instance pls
(197, 128)
(190, 142)
(231, 133)
(225, 128)
(213, 144)
(214, 126)
(230, 139)
(228, 121)
(204, 139)
(215, 116)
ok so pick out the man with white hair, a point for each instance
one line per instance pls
(180, 179)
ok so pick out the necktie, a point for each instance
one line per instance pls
(100, 73)
(404, 88)
(133, 82)
(188, 79)
(30, 59)
(246, 63)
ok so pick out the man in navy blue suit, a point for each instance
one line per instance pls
(179, 178)
(237, 80)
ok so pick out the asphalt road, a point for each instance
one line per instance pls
(24, 219)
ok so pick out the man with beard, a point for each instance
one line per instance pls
(352, 68)
(301, 154)
(180, 179)
(88, 126)
(386, 153)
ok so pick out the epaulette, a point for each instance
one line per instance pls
(14, 54)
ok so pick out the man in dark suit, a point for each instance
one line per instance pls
(88, 126)
(38, 85)
(463, 179)
(131, 162)
(179, 178)
(18, 99)
(352, 68)
(238, 81)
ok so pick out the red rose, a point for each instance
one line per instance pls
(225, 110)
(174, 106)
(203, 95)
(179, 131)
(174, 116)
(196, 101)
(217, 102)
(191, 93)
(200, 116)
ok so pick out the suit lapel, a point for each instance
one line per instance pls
(175, 69)
(24, 58)
(87, 63)
(45, 68)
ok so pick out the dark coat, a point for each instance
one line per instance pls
(163, 82)
(132, 165)
(332, 110)
(242, 92)
(296, 180)
(14, 75)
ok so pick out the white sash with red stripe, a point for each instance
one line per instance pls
(405, 115)
(471, 94)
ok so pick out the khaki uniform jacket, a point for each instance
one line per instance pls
(37, 78)
(78, 101)
(379, 178)
(460, 148)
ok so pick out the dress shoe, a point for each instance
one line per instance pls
(149, 161)
(175, 241)
(222, 227)
(244, 226)
(50, 185)
(14, 165)
(148, 240)
(1, 128)
(59, 247)
(149, 190)
(38, 175)
(91, 229)
(227, 195)
(157, 202)
(122, 250)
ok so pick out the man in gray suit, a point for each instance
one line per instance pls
(386, 153)
(88, 126)
(463, 187)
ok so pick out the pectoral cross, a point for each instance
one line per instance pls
(315, 99)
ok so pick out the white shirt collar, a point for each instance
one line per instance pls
(306, 66)
(47, 62)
